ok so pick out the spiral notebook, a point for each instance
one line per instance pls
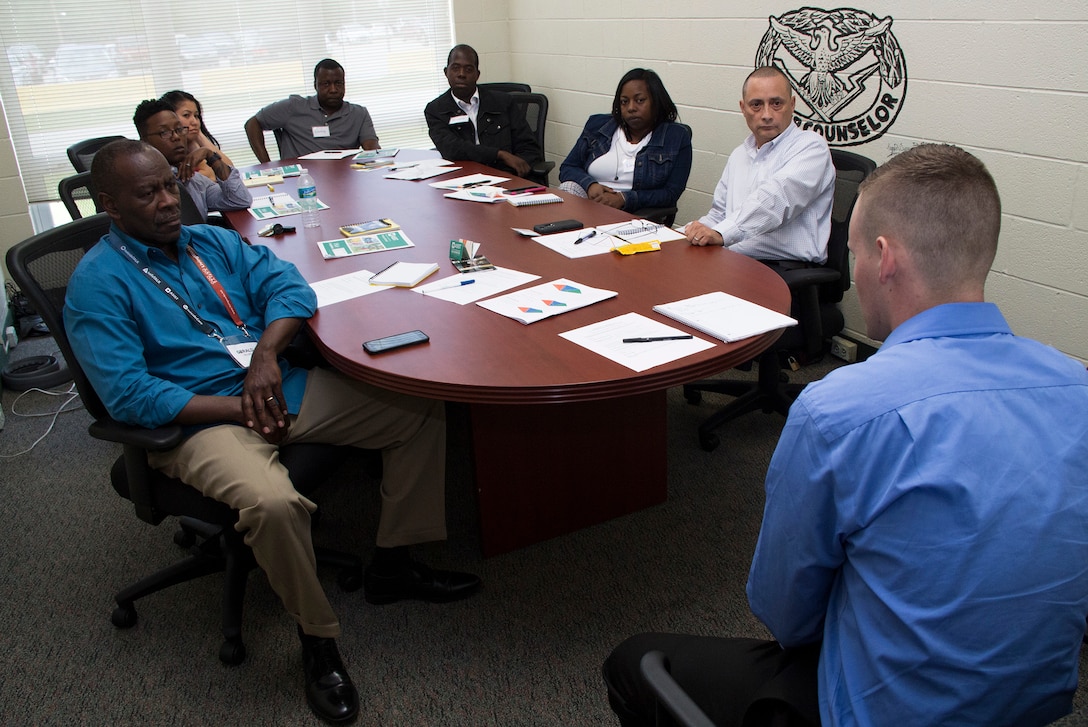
(535, 199)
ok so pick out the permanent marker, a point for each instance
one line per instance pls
(657, 338)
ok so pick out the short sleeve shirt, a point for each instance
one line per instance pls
(297, 118)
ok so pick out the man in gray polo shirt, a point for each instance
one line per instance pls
(304, 125)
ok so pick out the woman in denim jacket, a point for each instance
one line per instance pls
(638, 156)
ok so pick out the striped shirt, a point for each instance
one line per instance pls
(774, 202)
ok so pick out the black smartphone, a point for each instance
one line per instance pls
(549, 228)
(390, 342)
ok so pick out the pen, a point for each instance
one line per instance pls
(382, 270)
(452, 285)
(657, 338)
(585, 237)
(474, 184)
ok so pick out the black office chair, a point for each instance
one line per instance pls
(816, 291)
(535, 108)
(660, 215)
(506, 86)
(671, 697)
(78, 195)
(81, 153)
(42, 266)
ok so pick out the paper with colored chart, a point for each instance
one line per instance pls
(546, 300)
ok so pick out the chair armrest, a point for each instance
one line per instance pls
(669, 694)
(543, 167)
(657, 215)
(804, 277)
(110, 430)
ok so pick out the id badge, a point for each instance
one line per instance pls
(320, 131)
(240, 349)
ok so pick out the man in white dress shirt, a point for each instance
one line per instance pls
(773, 201)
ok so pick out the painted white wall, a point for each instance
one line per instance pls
(1005, 80)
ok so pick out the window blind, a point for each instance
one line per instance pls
(76, 69)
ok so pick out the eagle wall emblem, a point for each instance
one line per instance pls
(846, 69)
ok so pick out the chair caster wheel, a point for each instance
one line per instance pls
(350, 579)
(184, 539)
(709, 442)
(124, 617)
(232, 652)
(693, 397)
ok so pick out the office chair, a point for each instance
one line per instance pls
(815, 293)
(671, 697)
(535, 108)
(81, 153)
(660, 215)
(506, 86)
(42, 266)
(78, 195)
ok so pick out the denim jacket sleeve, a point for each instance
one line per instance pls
(661, 169)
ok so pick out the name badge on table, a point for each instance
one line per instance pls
(321, 131)
(459, 119)
(240, 349)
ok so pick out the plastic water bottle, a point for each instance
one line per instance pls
(307, 197)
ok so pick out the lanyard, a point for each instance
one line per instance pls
(208, 329)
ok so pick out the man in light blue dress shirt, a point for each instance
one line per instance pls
(773, 201)
(923, 557)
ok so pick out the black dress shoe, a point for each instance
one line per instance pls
(417, 581)
(329, 690)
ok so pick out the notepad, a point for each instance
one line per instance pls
(534, 199)
(405, 275)
(725, 316)
(369, 227)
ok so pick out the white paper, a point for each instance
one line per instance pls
(487, 283)
(469, 179)
(421, 171)
(331, 154)
(606, 339)
(345, 287)
(546, 300)
(563, 243)
(725, 316)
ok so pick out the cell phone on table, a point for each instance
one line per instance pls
(549, 228)
(399, 340)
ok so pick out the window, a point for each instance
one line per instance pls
(77, 69)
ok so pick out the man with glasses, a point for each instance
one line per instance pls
(304, 125)
(159, 126)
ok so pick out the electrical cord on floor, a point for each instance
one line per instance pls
(72, 395)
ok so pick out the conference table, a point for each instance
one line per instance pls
(562, 437)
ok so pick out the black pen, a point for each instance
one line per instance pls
(585, 237)
(657, 338)
(475, 184)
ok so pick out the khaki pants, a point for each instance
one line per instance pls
(235, 465)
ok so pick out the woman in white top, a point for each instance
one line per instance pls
(191, 114)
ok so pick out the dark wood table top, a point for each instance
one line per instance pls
(475, 355)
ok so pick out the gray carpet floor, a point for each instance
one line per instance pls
(525, 651)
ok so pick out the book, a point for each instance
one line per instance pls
(363, 244)
(725, 316)
(534, 199)
(369, 228)
(403, 274)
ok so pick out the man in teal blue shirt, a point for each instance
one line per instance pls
(184, 325)
(923, 557)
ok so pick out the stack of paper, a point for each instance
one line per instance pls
(725, 316)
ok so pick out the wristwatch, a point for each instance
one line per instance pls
(213, 159)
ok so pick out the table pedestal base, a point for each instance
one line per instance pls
(544, 470)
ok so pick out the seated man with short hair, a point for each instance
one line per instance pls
(185, 325)
(158, 125)
(923, 558)
(313, 123)
(477, 125)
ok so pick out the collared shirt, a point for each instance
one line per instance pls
(296, 117)
(220, 196)
(774, 202)
(471, 109)
(141, 353)
(925, 517)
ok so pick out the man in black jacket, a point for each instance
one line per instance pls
(473, 124)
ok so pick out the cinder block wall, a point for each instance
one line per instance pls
(1007, 81)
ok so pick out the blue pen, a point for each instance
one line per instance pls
(452, 285)
(585, 237)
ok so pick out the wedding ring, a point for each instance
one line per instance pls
(271, 398)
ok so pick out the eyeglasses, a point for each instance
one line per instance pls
(168, 133)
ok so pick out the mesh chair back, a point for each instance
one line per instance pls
(535, 108)
(41, 266)
(78, 195)
(81, 153)
(850, 171)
